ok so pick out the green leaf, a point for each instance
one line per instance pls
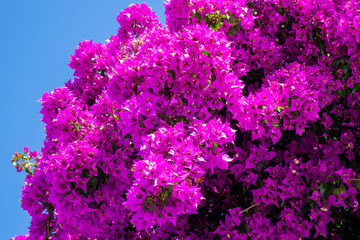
(312, 35)
(198, 15)
(281, 10)
(145, 208)
(336, 63)
(325, 188)
(233, 30)
(231, 18)
(85, 173)
(321, 47)
(357, 184)
(341, 92)
(308, 181)
(205, 53)
(27, 170)
(295, 114)
(93, 182)
(171, 73)
(356, 87)
(114, 146)
(276, 124)
(218, 25)
(332, 176)
(338, 190)
(261, 164)
(312, 203)
(135, 88)
(279, 108)
(127, 136)
(169, 188)
(164, 196)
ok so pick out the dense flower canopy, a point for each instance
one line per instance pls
(236, 120)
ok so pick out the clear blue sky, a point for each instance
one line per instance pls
(36, 39)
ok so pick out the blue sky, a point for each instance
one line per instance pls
(36, 39)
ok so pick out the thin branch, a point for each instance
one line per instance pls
(249, 208)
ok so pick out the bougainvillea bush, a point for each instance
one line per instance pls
(236, 120)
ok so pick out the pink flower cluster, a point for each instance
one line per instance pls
(237, 120)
